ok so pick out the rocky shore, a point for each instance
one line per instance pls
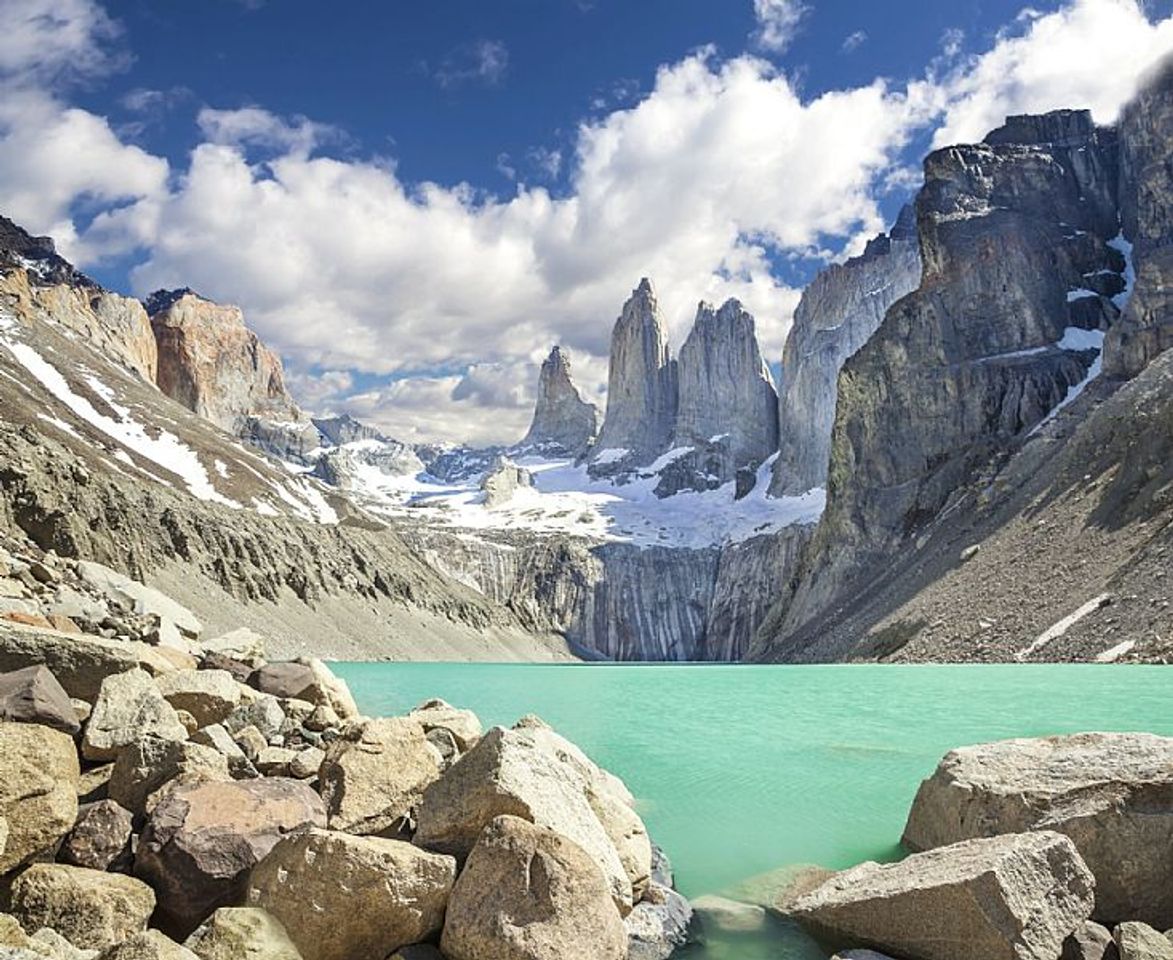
(166, 795)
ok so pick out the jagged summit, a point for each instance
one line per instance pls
(346, 429)
(1059, 128)
(161, 299)
(38, 256)
(562, 418)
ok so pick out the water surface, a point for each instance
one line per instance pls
(740, 770)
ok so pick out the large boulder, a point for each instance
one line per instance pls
(148, 945)
(202, 840)
(660, 924)
(242, 933)
(437, 714)
(141, 599)
(144, 767)
(80, 663)
(306, 679)
(208, 695)
(1139, 941)
(91, 909)
(38, 790)
(342, 897)
(33, 695)
(1014, 897)
(529, 893)
(1111, 793)
(1090, 941)
(129, 707)
(372, 778)
(533, 773)
(100, 839)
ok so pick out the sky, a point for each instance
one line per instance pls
(413, 202)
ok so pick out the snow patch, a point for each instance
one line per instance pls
(1118, 242)
(612, 455)
(1056, 630)
(1080, 293)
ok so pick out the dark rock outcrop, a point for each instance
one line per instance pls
(563, 421)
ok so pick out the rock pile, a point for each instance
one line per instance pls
(168, 797)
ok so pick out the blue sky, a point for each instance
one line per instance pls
(412, 201)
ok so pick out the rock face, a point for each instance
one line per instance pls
(210, 362)
(528, 893)
(1015, 897)
(38, 790)
(563, 421)
(726, 391)
(203, 839)
(1111, 793)
(641, 384)
(1146, 202)
(1014, 239)
(352, 898)
(840, 310)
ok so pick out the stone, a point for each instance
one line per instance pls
(274, 761)
(242, 933)
(529, 893)
(730, 916)
(148, 945)
(33, 695)
(342, 897)
(533, 773)
(502, 481)
(190, 724)
(323, 718)
(296, 711)
(39, 776)
(208, 695)
(91, 909)
(445, 744)
(417, 951)
(1016, 897)
(51, 944)
(641, 387)
(241, 645)
(659, 925)
(306, 763)
(79, 664)
(1111, 793)
(146, 766)
(1139, 941)
(94, 783)
(215, 736)
(373, 777)
(265, 714)
(296, 680)
(141, 599)
(203, 839)
(240, 670)
(464, 725)
(100, 839)
(129, 707)
(251, 742)
(1090, 942)
(563, 421)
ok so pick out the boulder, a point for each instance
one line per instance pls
(373, 777)
(342, 897)
(143, 600)
(464, 725)
(91, 909)
(306, 679)
(659, 925)
(203, 839)
(731, 916)
(148, 945)
(33, 695)
(265, 714)
(146, 766)
(215, 736)
(533, 773)
(1090, 942)
(208, 695)
(323, 718)
(80, 664)
(129, 707)
(1013, 897)
(251, 742)
(1139, 941)
(241, 644)
(100, 839)
(274, 761)
(49, 943)
(306, 763)
(1111, 793)
(240, 670)
(529, 893)
(38, 790)
(242, 933)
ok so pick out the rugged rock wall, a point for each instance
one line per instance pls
(641, 383)
(726, 391)
(840, 310)
(214, 365)
(563, 420)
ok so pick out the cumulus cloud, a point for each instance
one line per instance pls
(778, 22)
(256, 127)
(56, 41)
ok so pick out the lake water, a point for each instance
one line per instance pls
(740, 770)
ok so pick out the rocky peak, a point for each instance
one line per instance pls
(726, 392)
(563, 420)
(838, 313)
(641, 396)
(346, 429)
(214, 365)
(38, 256)
(1059, 128)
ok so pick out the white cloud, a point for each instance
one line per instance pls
(57, 40)
(482, 61)
(256, 127)
(778, 22)
(853, 41)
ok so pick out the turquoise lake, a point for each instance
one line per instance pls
(740, 770)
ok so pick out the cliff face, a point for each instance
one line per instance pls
(641, 384)
(210, 362)
(840, 310)
(726, 393)
(563, 421)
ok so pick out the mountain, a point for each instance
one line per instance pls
(563, 421)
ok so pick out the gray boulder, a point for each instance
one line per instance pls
(659, 925)
(1139, 941)
(129, 707)
(79, 663)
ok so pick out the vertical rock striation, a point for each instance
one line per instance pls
(726, 392)
(563, 421)
(641, 385)
(840, 310)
